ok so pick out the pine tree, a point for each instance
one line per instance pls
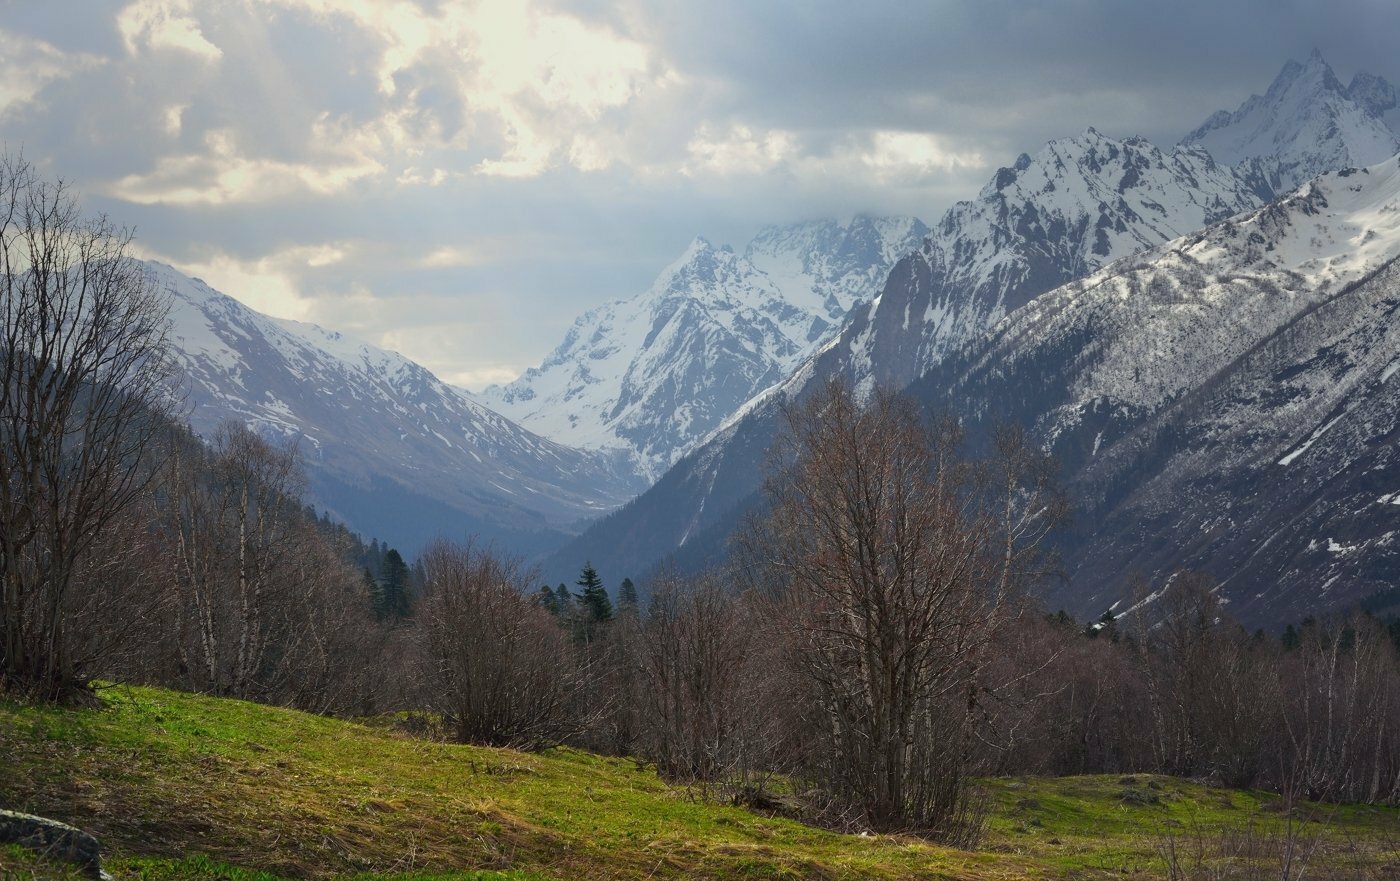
(393, 586)
(1107, 625)
(547, 600)
(563, 600)
(1291, 640)
(627, 602)
(593, 600)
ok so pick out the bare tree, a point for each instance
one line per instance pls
(85, 389)
(895, 561)
(1341, 711)
(327, 653)
(232, 512)
(495, 665)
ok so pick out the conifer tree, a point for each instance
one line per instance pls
(393, 585)
(594, 607)
(627, 602)
(1291, 640)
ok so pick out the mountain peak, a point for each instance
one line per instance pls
(1306, 124)
(1373, 93)
(653, 374)
(1078, 204)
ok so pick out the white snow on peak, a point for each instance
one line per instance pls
(653, 374)
(1077, 205)
(1306, 124)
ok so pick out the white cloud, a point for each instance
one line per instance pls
(886, 158)
(164, 24)
(221, 174)
(174, 118)
(271, 284)
(451, 256)
(901, 154)
(27, 65)
(738, 150)
(439, 348)
(527, 78)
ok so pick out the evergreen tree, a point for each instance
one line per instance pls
(547, 600)
(593, 600)
(563, 600)
(1107, 625)
(627, 602)
(393, 585)
(1291, 639)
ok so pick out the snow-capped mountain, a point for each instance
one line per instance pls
(1227, 402)
(1077, 205)
(1306, 124)
(387, 446)
(655, 373)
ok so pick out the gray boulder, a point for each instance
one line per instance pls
(52, 839)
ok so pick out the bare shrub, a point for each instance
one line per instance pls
(693, 650)
(495, 665)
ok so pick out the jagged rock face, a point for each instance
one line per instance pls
(654, 374)
(1373, 93)
(393, 450)
(1226, 402)
(1306, 124)
(1078, 204)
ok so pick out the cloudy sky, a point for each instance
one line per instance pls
(457, 180)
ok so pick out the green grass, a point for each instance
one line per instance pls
(1114, 824)
(180, 786)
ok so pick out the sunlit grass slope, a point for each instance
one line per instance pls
(182, 786)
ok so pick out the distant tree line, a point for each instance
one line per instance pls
(873, 649)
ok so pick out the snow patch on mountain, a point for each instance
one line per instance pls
(1177, 314)
(1217, 400)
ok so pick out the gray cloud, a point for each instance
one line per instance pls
(459, 183)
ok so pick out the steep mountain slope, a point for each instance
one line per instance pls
(1225, 402)
(387, 446)
(1081, 203)
(1306, 124)
(1078, 204)
(654, 374)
